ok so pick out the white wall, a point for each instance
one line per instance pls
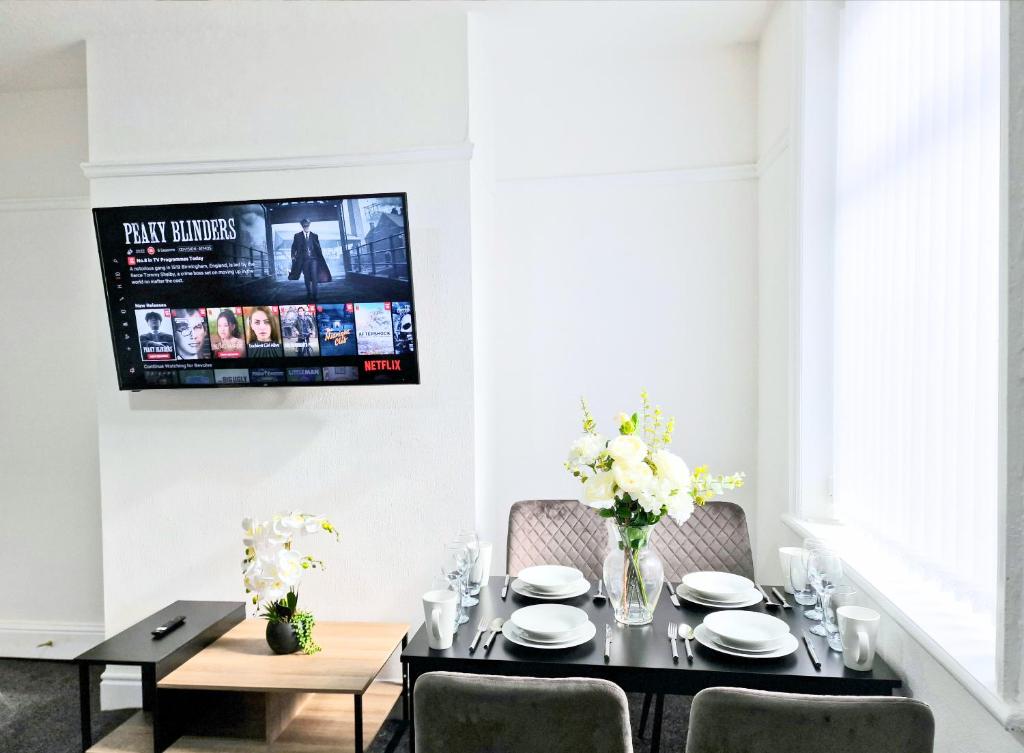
(604, 262)
(391, 466)
(49, 503)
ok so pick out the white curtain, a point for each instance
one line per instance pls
(917, 275)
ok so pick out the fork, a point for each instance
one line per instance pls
(673, 633)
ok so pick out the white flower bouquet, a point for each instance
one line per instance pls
(634, 480)
(273, 566)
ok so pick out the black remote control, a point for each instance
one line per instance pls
(168, 626)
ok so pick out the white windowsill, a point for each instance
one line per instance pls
(979, 656)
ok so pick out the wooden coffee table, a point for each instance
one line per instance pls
(236, 695)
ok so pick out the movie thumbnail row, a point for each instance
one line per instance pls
(303, 331)
(269, 375)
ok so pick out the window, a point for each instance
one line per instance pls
(916, 299)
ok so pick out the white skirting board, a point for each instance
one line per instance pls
(121, 688)
(47, 640)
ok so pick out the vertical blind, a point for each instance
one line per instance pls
(917, 288)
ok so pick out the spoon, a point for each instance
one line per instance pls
(686, 633)
(600, 598)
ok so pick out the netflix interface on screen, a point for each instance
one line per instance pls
(284, 292)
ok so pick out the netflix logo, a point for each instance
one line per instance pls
(382, 364)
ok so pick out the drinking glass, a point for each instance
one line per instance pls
(825, 569)
(472, 543)
(803, 593)
(832, 598)
(456, 569)
(810, 545)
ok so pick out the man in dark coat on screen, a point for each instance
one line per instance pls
(308, 260)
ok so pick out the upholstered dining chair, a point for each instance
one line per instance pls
(714, 538)
(736, 720)
(467, 713)
(556, 531)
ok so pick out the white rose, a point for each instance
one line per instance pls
(586, 449)
(633, 478)
(680, 508)
(672, 468)
(599, 490)
(628, 449)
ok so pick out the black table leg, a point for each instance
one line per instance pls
(148, 686)
(659, 705)
(405, 682)
(84, 705)
(643, 716)
(412, 711)
(359, 722)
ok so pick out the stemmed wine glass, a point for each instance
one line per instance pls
(456, 570)
(471, 541)
(825, 569)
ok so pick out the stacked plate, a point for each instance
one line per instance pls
(549, 626)
(719, 590)
(748, 634)
(550, 582)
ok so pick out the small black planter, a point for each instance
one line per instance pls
(281, 637)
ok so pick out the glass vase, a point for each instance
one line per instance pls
(633, 575)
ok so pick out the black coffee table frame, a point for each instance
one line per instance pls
(641, 657)
(205, 622)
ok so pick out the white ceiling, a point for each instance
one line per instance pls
(42, 41)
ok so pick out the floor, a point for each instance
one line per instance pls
(39, 713)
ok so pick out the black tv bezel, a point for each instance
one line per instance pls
(302, 385)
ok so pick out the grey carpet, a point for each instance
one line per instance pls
(39, 713)
(39, 707)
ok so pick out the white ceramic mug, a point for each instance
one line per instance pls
(858, 628)
(482, 568)
(439, 615)
(786, 554)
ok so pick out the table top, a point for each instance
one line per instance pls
(641, 657)
(136, 645)
(352, 656)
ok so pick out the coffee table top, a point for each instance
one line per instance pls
(240, 660)
(136, 645)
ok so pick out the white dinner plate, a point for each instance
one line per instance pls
(705, 600)
(789, 644)
(752, 598)
(523, 590)
(548, 622)
(550, 579)
(512, 633)
(709, 584)
(746, 631)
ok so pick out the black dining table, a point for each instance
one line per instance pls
(641, 657)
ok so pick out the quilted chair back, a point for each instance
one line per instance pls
(556, 532)
(714, 538)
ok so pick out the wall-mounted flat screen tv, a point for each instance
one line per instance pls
(263, 293)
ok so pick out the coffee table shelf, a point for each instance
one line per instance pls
(326, 724)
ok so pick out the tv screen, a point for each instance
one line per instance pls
(263, 293)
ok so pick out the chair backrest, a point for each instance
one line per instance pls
(735, 720)
(466, 713)
(556, 531)
(714, 538)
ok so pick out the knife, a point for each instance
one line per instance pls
(811, 652)
(672, 595)
(781, 597)
(496, 624)
(767, 599)
(607, 642)
(504, 588)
